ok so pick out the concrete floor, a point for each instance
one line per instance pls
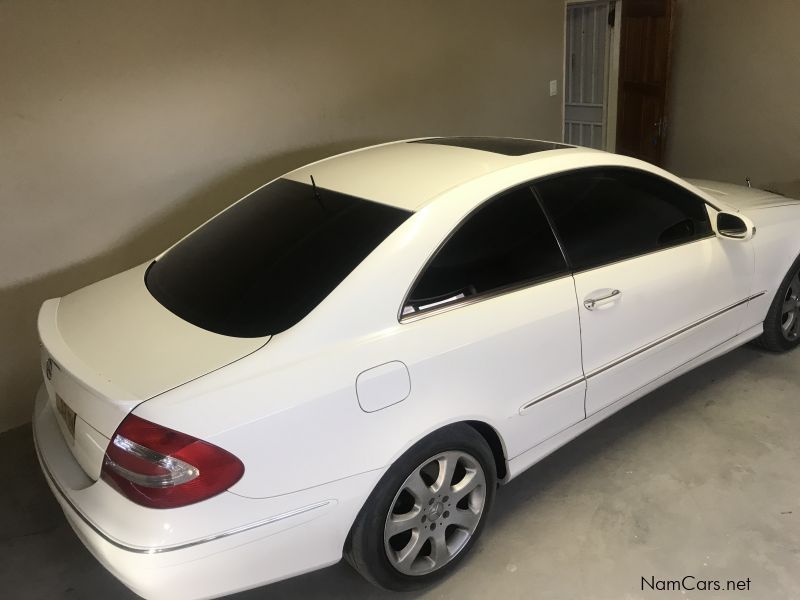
(699, 478)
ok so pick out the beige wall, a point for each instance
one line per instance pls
(736, 92)
(125, 124)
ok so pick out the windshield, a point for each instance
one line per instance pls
(261, 266)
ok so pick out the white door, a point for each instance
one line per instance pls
(657, 288)
(585, 73)
(493, 324)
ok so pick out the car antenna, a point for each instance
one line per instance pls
(316, 193)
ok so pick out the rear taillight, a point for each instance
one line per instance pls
(159, 467)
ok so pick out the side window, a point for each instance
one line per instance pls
(506, 242)
(608, 214)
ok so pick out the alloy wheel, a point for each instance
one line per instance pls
(790, 315)
(435, 513)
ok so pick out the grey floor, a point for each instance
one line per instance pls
(700, 478)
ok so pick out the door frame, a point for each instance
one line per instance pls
(612, 75)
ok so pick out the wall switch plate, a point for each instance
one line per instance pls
(553, 87)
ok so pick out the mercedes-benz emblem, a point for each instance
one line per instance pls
(48, 369)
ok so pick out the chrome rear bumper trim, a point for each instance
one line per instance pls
(159, 549)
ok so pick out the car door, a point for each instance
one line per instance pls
(493, 323)
(656, 287)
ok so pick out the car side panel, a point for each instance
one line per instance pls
(674, 305)
(776, 245)
(519, 464)
(484, 361)
(515, 358)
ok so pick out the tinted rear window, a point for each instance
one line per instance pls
(262, 265)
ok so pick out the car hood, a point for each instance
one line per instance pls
(114, 338)
(740, 197)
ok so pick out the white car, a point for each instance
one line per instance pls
(348, 360)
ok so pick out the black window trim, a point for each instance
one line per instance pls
(617, 168)
(570, 272)
(501, 291)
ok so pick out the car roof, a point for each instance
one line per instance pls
(408, 174)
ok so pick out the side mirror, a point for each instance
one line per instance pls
(735, 226)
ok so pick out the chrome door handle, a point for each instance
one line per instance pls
(591, 303)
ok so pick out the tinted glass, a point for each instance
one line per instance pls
(497, 145)
(506, 242)
(262, 265)
(604, 215)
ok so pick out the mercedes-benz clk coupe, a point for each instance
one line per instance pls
(350, 359)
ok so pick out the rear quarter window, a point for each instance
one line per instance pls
(504, 244)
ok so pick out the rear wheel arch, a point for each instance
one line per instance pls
(495, 442)
(364, 545)
(490, 435)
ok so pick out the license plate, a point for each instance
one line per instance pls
(67, 414)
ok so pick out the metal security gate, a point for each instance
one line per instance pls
(585, 87)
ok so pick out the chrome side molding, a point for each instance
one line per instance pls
(638, 351)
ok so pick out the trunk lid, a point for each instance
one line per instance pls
(109, 347)
(741, 197)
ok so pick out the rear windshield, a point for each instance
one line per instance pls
(262, 265)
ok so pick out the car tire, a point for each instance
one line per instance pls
(782, 324)
(416, 527)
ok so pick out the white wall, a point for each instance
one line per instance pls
(736, 92)
(125, 124)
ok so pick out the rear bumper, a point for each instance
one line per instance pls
(216, 547)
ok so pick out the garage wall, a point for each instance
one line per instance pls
(735, 92)
(125, 124)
